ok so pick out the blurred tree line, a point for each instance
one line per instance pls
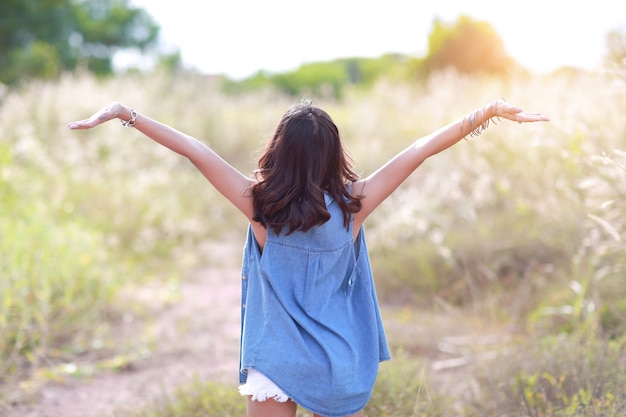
(41, 39)
(467, 45)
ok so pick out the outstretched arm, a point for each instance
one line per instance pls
(224, 177)
(379, 185)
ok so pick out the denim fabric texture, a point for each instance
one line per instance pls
(310, 319)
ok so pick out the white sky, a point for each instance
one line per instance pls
(240, 37)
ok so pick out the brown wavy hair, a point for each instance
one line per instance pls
(304, 158)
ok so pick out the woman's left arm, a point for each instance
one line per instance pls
(378, 186)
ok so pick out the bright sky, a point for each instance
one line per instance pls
(240, 37)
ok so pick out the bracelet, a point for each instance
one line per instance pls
(130, 122)
(475, 129)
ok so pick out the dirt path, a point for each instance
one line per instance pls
(198, 336)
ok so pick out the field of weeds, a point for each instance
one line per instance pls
(518, 232)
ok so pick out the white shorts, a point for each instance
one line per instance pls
(261, 388)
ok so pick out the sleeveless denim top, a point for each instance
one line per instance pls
(310, 319)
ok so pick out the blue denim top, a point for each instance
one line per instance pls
(310, 319)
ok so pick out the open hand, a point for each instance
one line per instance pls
(112, 111)
(504, 110)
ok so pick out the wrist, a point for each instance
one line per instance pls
(127, 116)
(478, 120)
(118, 110)
(493, 108)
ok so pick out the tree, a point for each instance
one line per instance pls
(468, 45)
(616, 45)
(43, 38)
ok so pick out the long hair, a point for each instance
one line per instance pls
(304, 158)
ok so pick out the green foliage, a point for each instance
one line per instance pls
(330, 78)
(38, 58)
(313, 77)
(468, 45)
(170, 63)
(42, 39)
(402, 389)
(560, 377)
(55, 279)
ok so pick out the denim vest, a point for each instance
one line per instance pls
(310, 319)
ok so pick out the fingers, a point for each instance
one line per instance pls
(82, 124)
(528, 117)
(515, 113)
(109, 112)
(87, 123)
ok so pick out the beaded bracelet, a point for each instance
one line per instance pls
(130, 122)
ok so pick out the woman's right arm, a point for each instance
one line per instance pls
(224, 177)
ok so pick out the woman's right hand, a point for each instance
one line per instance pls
(112, 111)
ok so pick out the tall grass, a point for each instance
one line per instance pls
(522, 225)
(56, 278)
(560, 376)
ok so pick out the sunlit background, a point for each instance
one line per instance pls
(499, 265)
(240, 37)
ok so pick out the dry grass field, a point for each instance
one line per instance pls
(499, 263)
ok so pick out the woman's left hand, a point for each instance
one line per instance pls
(504, 110)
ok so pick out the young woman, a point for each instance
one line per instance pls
(311, 330)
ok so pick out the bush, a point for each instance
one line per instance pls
(563, 376)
